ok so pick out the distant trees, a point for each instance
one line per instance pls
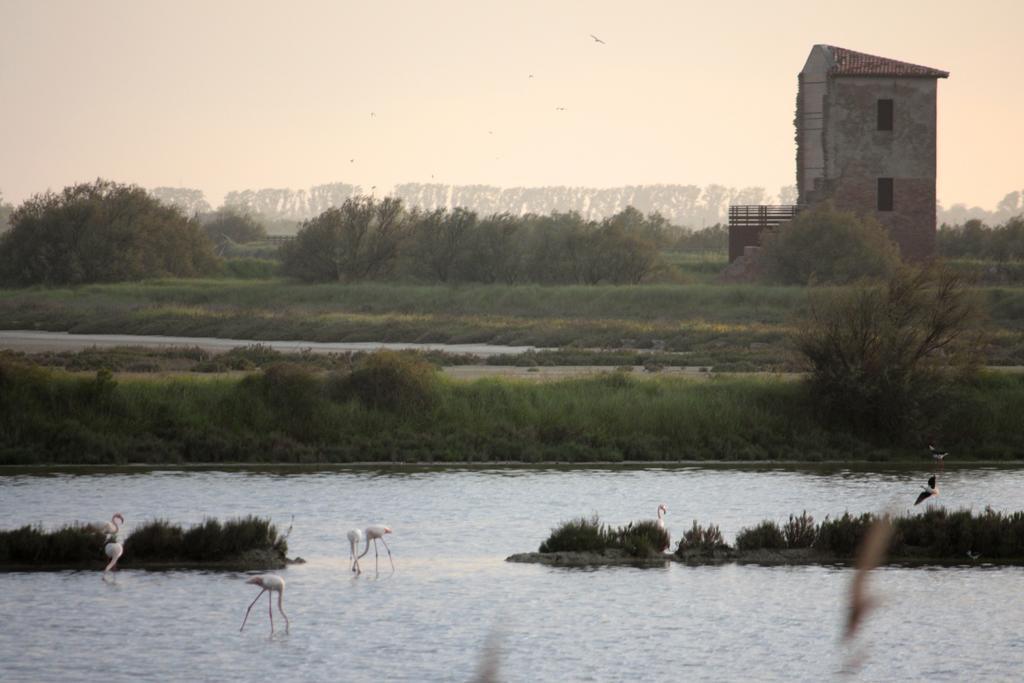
(357, 241)
(5, 214)
(974, 239)
(101, 232)
(826, 245)
(228, 224)
(371, 239)
(191, 201)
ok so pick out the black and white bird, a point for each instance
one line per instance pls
(597, 40)
(932, 489)
(973, 555)
(937, 453)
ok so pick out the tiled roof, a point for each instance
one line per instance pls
(850, 63)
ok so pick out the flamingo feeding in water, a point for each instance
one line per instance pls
(355, 537)
(113, 549)
(373, 532)
(270, 583)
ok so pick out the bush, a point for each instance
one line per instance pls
(31, 545)
(881, 357)
(799, 532)
(701, 538)
(156, 540)
(641, 539)
(842, 535)
(389, 380)
(767, 536)
(101, 232)
(577, 535)
(825, 245)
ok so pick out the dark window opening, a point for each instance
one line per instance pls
(884, 114)
(885, 194)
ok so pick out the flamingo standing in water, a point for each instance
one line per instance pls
(373, 532)
(270, 583)
(662, 511)
(113, 548)
(355, 537)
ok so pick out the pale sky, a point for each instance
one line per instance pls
(243, 95)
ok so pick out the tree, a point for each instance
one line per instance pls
(189, 200)
(357, 241)
(101, 232)
(228, 224)
(439, 241)
(882, 355)
(825, 245)
(5, 214)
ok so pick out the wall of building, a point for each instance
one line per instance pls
(857, 154)
(812, 87)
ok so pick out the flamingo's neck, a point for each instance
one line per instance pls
(661, 513)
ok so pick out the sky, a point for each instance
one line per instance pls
(231, 95)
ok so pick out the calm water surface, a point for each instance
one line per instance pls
(452, 590)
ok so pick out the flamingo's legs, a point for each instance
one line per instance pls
(389, 553)
(280, 606)
(270, 611)
(250, 609)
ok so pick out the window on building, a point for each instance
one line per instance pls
(884, 114)
(885, 194)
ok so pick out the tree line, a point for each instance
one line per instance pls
(367, 239)
(975, 239)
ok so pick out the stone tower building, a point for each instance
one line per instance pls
(865, 133)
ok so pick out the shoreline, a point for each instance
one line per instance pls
(868, 465)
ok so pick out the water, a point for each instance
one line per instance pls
(452, 590)
(36, 341)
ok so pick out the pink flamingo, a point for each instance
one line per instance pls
(355, 536)
(373, 532)
(662, 511)
(113, 548)
(270, 583)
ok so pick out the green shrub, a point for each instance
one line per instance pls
(391, 381)
(577, 535)
(641, 539)
(101, 232)
(884, 357)
(155, 540)
(702, 538)
(799, 532)
(765, 536)
(825, 245)
(31, 545)
(842, 535)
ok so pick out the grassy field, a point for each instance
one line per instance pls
(731, 327)
(295, 416)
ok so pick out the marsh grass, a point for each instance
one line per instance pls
(156, 541)
(295, 414)
(583, 534)
(29, 545)
(936, 533)
(766, 535)
(737, 327)
(590, 535)
(698, 537)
